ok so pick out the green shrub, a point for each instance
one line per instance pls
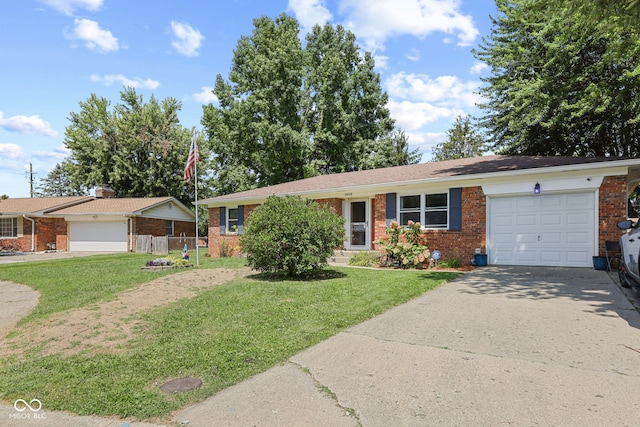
(291, 235)
(450, 263)
(366, 259)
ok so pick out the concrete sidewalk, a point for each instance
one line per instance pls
(501, 345)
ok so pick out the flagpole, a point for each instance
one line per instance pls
(195, 173)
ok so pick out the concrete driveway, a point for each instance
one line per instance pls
(499, 346)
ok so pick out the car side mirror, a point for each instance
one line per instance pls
(625, 225)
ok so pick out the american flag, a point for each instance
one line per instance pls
(194, 156)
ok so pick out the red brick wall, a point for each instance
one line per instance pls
(379, 211)
(217, 241)
(335, 204)
(48, 230)
(155, 227)
(452, 244)
(612, 208)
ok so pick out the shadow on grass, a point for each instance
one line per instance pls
(326, 274)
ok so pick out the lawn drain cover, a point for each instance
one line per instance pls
(181, 384)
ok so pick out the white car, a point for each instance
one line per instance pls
(629, 255)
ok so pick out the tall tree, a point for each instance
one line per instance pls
(562, 83)
(463, 140)
(287, 113)
(256, 132)
(345, 107)
(60, 182)
(137, 148)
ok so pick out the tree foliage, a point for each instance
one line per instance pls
(562, 82)
(463, 140)
(288, 112)
(137, 148)
(61, 182)
(291, 235)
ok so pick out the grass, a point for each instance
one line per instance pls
(76, 282)
(223, 335)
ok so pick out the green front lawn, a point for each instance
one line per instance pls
(223, 335)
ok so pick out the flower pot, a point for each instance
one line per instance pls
(600, 262)
(480, 259)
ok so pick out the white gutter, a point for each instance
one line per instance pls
(33, 233)
(611, 167)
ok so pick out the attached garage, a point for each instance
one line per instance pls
(543, 230)
(102, 236)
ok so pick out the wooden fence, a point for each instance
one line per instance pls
(161, 245)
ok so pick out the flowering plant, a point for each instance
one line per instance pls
(167, 261)
(406, 245)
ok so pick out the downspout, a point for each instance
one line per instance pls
(33, 233)
(130, 234)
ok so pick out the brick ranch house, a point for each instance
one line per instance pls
(538, 211)
(88, 224)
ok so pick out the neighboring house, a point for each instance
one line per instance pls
(100, 223)
(546, 211)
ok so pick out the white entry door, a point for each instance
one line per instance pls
(545, 230)
(359, 234)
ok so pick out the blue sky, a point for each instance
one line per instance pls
(55, 53)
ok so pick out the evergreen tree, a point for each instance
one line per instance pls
(463, 140)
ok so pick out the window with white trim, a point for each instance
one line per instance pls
(430, 210)
(168, 227)
(232, 220)
(8, 227)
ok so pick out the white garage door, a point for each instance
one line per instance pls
(545, 230)
(98, 236)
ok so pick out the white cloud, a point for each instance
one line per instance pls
(205, 96)
(11, 152)
(68, 6)
(187, 41)
(374, 21)
(58, 154)
(443, 90)
(94, 37)
(110, 79)
(413, 55)
(414, 115)
(27, 124)
(310, 13)
(425, 142)
(478, 67)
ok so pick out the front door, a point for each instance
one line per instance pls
(358, 226)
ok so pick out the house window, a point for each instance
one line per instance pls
(168, 227)
(410, 209)
(232, 220)
(430, 210)
(435, 210)
(8, 227)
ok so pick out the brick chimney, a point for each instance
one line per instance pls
(104, 192)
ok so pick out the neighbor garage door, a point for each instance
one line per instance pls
(98, 236)
(545, 230)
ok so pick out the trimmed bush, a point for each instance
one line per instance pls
(291, 235)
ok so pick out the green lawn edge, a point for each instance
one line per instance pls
(223, 335)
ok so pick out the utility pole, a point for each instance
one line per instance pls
(31, 179)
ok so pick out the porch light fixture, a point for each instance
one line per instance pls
(536, 189)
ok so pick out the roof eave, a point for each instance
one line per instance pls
(333, 192)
